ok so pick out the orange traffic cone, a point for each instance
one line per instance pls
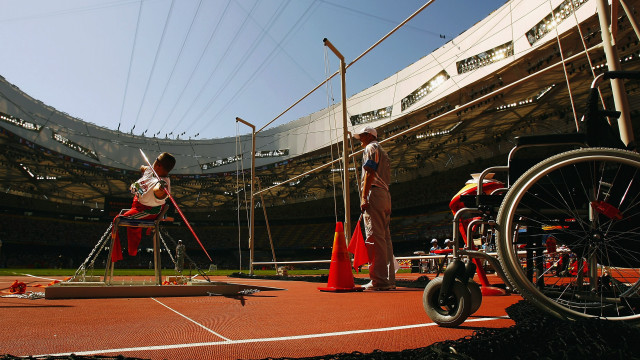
(340, 275)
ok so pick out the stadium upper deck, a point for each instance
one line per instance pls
(465, 101)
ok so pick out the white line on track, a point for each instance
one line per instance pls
(37, 277)
(193, 321)
(262, 340)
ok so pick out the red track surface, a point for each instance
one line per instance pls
(301, 321)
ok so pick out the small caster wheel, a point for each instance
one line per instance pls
(476, 296)
(456, 307)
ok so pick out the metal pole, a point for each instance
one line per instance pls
(157, 258)
(253, 181)
(613, 63)
(345, 148)
(266, 219)
(632, 19)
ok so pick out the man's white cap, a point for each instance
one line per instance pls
(434, 241)
(366, 129)
(448, 241)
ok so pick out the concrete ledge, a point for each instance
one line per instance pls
(101, 290)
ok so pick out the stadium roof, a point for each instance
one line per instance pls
(467, 100)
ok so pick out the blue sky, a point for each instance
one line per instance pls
(188, 68)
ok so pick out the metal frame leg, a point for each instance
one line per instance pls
(108, 271)
(156, 255)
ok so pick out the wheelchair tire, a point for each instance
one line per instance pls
(589, 201)
(457, 309)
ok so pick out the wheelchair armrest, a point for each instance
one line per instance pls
(574, 138)
(443, 251)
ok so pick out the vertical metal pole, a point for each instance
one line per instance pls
(632, 19)
(613, 63)
(345, 148)
(266, 219)
(253, 181)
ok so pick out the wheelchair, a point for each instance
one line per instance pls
(586, 198)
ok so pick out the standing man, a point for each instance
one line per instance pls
(180, 252)
(434, 246)
(375, 203)
(432, 262)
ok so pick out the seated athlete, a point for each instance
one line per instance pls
(148, 200)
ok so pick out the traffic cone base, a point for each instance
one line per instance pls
(340, 275)
(333, 289)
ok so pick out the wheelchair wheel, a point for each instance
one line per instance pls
(569, 234)
(456, 309)
(476, 296)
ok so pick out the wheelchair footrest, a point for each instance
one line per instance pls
(486, 200)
